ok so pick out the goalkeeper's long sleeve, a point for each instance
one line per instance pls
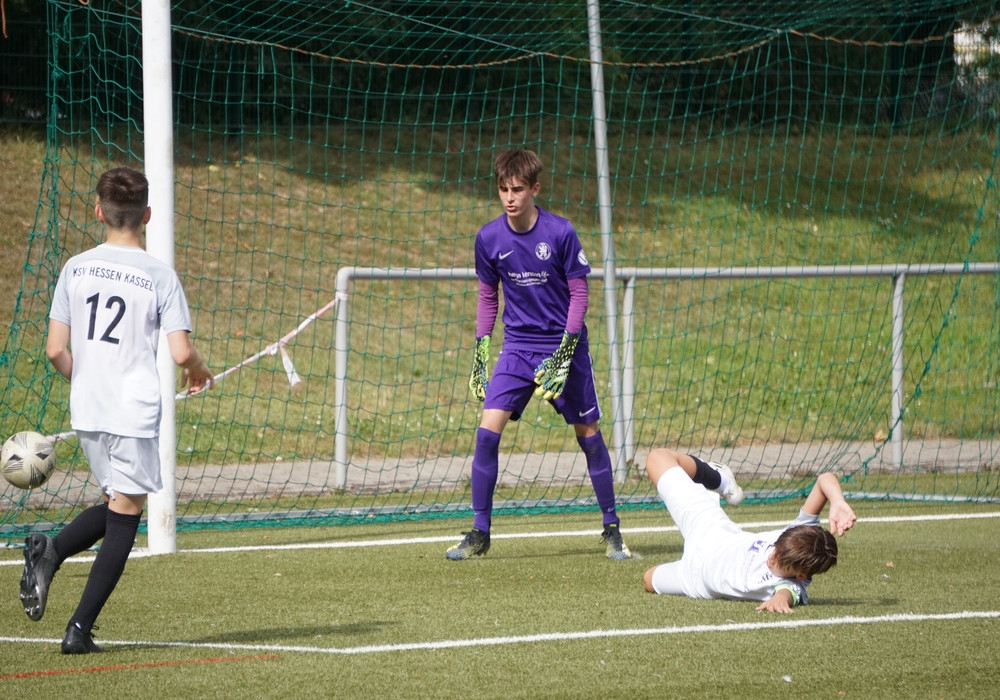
(579, 300)
(487, 309)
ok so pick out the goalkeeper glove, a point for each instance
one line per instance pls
(550, 375)
(477, 380)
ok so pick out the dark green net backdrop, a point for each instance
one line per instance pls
(313, 137)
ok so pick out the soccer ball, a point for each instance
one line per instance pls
(27, 459)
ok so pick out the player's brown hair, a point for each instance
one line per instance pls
(517, 164)
(124, 196)
(807, 550)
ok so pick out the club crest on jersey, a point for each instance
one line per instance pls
(543, 251)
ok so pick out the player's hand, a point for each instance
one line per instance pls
(198, 378)
(550, 375)
(842, 517)
(478, 378)
(780, 602)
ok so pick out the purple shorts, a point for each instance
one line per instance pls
(512, 385)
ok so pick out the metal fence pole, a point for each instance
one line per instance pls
(607, 242)
(896, 421)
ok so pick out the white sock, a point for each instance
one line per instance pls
(723, 483)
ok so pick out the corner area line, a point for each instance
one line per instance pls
(133, 666)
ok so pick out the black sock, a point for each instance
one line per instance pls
(705, 475)
(107, 568)
(82, 533)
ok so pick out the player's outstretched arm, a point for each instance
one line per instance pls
(195, 374)
(827, 490)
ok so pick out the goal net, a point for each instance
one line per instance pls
(794, 273)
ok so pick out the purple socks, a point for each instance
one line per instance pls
(485, 465)
(601, 475)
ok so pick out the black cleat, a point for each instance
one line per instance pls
(612, 537)
(40, 565)
(475, 544)
(77, 641)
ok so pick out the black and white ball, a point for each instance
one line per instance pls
(27, 459)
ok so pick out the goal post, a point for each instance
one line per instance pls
(158, 159)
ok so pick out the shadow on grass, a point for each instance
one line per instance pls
(285, 633)
(845, 602)
(641, 548)
(598, 550)
(664, 553)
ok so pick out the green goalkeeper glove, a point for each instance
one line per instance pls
(550, 376)
(477, 380)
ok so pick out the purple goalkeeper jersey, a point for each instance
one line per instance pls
(532, 268)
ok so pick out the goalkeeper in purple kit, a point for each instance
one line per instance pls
(536, 258)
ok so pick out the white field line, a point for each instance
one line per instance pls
(142, 552)
(548, 637)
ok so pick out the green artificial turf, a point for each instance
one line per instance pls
(538, 617)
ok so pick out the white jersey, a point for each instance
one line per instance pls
(737, 566)
(115, 299)
(720, 559)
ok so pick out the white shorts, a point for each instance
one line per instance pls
(126, 465)
(703, 525)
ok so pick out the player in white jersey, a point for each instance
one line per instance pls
(109, 306)
(720, 559)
